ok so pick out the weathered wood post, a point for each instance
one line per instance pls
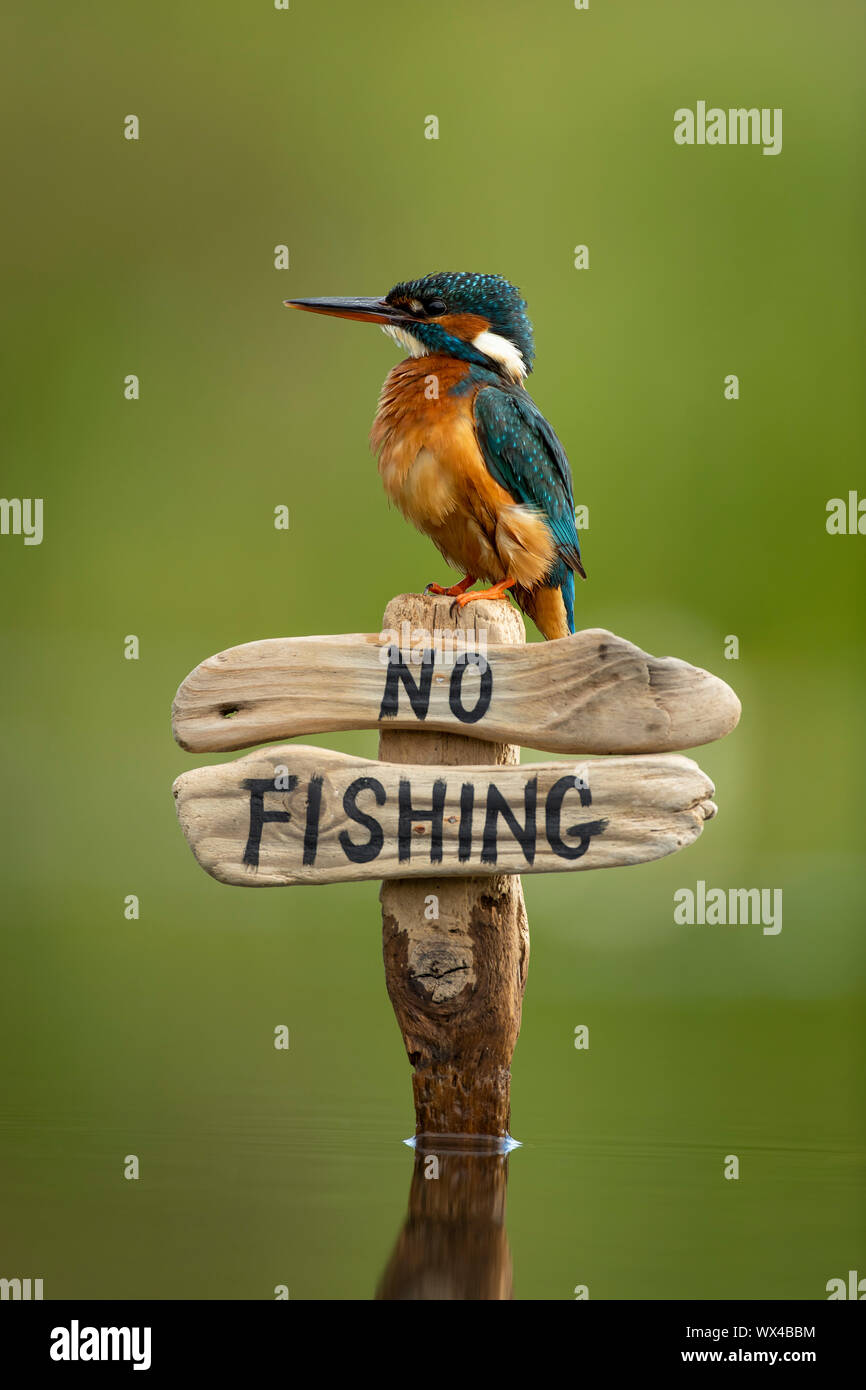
(456, 950)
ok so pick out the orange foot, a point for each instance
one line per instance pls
(497, 591)
(455, 588)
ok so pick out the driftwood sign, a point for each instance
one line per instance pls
(590, 693)
(447, 810)
(294, 814)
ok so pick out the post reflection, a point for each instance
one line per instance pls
(453, 1244)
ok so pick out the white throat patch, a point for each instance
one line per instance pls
(410, 344)
(502, 351)
(492, 345)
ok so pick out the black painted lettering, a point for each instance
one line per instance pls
(257, 786)
(419, 693)
(464, 836)
(524, 834)
(409, 813)
(485, 690)
(311, 828)
(363, 854)
(553, 820)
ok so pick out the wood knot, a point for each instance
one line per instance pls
(438, 973)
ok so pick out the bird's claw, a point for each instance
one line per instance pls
(454, 590)
(498, 591)
(459, 602)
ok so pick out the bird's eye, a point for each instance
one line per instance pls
(436, 306)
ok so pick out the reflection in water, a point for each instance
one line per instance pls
(453, 1244)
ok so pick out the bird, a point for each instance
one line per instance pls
(463, 450)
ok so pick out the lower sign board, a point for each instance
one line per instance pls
(292, 814)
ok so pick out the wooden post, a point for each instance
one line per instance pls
(456, 950)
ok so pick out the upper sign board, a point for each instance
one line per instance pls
(590, 693)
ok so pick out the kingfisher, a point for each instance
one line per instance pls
(463, 450)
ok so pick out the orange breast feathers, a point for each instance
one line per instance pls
(433, 470)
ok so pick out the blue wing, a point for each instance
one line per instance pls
(525, 457)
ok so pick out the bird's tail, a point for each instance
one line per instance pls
(552, 610)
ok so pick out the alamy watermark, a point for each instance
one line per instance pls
(732, 907)
(76, 1343)
(739, 125)
(418, 645)
(22, 516)
(23, 1290)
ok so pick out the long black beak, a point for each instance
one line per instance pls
(365, 310)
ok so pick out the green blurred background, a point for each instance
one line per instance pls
(707, 518)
